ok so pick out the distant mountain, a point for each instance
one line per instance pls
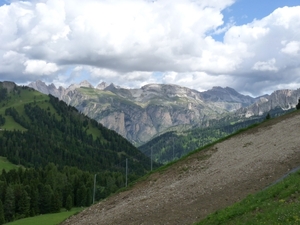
(230, 98)
(140, 114)
(280, 99)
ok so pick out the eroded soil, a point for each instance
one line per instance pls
(206, 181)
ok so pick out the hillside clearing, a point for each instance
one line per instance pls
(47, 219)
(6, 165)
(206, 181)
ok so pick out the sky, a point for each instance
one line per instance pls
(251, 46)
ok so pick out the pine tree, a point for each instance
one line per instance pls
(81, 196)
(24, 204)
(45, 199)
(34, 202)
(2, 219)
(298, 105)
(69, 203)
(9, 204)
(56, 202)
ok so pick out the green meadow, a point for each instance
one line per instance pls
(5, 164)
(47, 219)
(278, 204)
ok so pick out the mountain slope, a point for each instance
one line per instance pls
(140, 114)
(207, 180)
(37, 129)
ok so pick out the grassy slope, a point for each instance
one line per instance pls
(278, 204)
(18, 103)
(47, 219)
(5, 164)
(27, 97)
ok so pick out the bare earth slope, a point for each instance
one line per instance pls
(205, 181)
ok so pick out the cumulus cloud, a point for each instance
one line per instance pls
(266, 66)
(134, 42)
(291, 48)
(39, 67)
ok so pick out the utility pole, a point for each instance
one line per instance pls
(271, 104)
(173, 148)
(94, 188)
(151, 158)
(126, 171)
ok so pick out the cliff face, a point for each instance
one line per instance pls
(282, 99)
(140, 114)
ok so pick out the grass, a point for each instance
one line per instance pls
(47, 219)
(11, 125)
(5, 164)
(18, 102)
(278, 204)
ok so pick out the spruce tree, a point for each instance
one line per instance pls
(298, 105)
(34, 202)
(81, 196)
(56, 202)
(69, 203)
(2, 219)
(24, 204)
(9, 204)
(45, 201)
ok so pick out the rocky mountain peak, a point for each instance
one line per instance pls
(285, 99)
(40, 86)
(85, 83)
(102, 86)
(8, 85)
(220, 94)
(52, 86)
(112, 87)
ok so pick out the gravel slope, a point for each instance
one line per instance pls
(205, 181)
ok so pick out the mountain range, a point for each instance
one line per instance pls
(143, 113)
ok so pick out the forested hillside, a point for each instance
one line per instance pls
(36, 130)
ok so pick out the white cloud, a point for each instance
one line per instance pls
(134, 42)
(39, 67)
(266, 66)
(291, 48)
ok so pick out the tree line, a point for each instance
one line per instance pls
(73, 147)
(30, 192)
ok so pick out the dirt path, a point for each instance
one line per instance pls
(206, 181)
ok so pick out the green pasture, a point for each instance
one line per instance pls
(278, 204)
(47, 219)
(5, 164)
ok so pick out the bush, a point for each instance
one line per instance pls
(298, 105)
